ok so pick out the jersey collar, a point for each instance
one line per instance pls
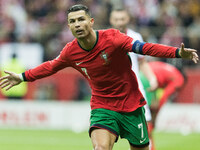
(97, 35)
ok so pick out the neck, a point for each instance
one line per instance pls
(124, 30)
(89, 41)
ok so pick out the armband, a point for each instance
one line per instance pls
(137, 47)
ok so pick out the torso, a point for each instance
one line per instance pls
(108, 70)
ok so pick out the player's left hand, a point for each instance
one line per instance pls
(188, 53)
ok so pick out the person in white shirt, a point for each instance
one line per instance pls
(119, 19)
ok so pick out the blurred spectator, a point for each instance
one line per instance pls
(174, 36)
(7, 29)
(45, 21)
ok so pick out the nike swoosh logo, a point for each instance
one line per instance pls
(141, 141)
(79, 63)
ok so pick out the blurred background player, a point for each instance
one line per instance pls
(120, 19)
(13, 64)
(170, 81)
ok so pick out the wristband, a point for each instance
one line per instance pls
(177, 53)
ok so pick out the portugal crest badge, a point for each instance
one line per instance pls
(104, 56)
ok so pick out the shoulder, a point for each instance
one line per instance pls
(68, 48)
(109, 32)
(70, 45)
(108, 36)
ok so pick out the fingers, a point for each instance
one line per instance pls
(8, 72)
(5, 77)
(182, 46)
(10, 86)
(195, 57)
(190, 50)
(191, 54)
(9, 81)
(5, 85)
(3, 82)
(194, 60)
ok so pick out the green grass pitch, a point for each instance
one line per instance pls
(68, 140)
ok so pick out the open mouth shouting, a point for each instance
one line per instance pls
(79, 32)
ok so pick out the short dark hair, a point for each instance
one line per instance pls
(120, 9)
(79, 7)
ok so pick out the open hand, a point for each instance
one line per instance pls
(188, 53)
(10, 80)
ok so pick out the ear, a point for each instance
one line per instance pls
(92, 21)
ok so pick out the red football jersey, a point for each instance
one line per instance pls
(106, 67)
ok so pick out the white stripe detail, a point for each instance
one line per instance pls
(20, 76)
(133, 41)
(137, 48)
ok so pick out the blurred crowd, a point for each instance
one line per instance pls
(45, 21)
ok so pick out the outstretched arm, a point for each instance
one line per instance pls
(10, 80)
(159, 50)
(43, 70)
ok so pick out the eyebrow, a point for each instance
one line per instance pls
(77, 18)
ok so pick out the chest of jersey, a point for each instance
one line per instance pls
(99, 63)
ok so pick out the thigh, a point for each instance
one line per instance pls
(104, 129)
(104, 119)
(134, 128)
(102, 139)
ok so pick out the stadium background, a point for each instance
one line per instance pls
(36, 31)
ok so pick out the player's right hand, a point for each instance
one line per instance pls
(9, 80)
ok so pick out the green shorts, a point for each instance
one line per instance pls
(131, 126)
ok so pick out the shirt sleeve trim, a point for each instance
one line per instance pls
(177, 53)
(24, 77)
